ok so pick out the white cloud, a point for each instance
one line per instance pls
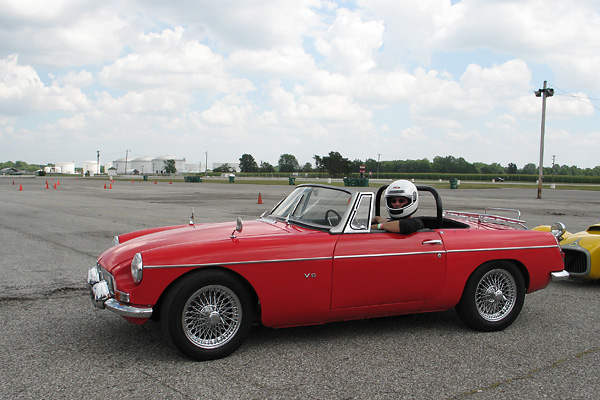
(79, 79)
(168, 60)
(23, 93)
(410, 79)
(350, 43)
(62, 33)
(276, 62)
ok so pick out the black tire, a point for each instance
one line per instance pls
(207, 314)
(493, 297)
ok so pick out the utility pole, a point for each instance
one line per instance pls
(126, 154)
(543, 93)
(98, 162)
(378, 157)
(553, 160)
(206, 163)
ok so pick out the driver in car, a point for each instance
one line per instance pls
(402, 200)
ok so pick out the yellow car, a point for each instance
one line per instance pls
(582, 250)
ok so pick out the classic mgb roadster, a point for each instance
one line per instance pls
(314, 258)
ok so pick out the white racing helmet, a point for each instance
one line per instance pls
(402, 188)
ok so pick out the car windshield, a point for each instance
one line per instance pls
(314, 205)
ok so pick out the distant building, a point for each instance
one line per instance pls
(193, 168)
(120, 165)
(147, 165)
(66, 167)
(142, 164)
(90, 167)
(159, 164)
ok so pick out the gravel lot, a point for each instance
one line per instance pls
(54, 345)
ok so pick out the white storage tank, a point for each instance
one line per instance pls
(91, 167)
(66, 167)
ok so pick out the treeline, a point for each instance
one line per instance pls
(22, 166)
(335, 165)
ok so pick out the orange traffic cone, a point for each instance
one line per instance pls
(259, 199)
(20, 187)
(13, 183)
(110, 187)
(54, 185)
(58, 183)
(132, 181)
(105, 186)
(155, 182)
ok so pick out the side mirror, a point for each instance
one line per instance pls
(239, 226)
(558, 229)
(192, 217)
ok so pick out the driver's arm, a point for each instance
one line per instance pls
(403, 226)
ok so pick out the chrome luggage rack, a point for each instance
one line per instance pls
(485, 217)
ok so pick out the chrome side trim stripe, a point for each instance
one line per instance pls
(345, 257)
(238, 263)
(388, 254)
(551, 246)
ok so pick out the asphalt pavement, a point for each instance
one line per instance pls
(54, 345)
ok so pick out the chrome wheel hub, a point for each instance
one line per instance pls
(496, 295)
(212, 316)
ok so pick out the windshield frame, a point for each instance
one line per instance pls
(292, 208)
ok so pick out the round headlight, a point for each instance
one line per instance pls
(137, 268)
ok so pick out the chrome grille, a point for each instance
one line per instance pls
(576, 261)
(104, 274)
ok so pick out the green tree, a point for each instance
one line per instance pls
(224, 168)
(266, 167)
(307, 167)
(492, 169)
(371, 165)
(170, 166)
(334, 164)
(529, 169)
(248, 164)
(288, 163)
(452, 164)
(511, 169)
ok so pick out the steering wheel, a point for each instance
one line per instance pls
(330, 219)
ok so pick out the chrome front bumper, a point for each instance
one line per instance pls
(559, 275)
(103, 297)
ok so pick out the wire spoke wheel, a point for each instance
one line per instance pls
(211, 316)
(493, 296)
(496, 295)
(207, 314)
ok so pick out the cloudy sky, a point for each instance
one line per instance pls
(395, 79)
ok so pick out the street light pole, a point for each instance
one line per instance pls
(543, 93)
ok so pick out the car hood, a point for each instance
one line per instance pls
(183, 244)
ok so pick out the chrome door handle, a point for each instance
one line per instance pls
(432, 242)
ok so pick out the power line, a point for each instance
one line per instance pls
(580, 98)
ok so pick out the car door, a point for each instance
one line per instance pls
(382, 268)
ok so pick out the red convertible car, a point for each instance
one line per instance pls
(314, 259)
